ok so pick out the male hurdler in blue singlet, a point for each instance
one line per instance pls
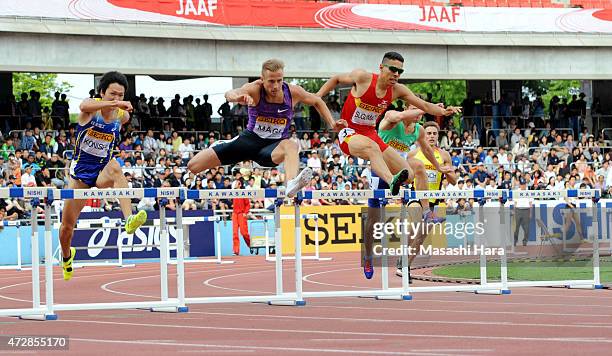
(92, 164)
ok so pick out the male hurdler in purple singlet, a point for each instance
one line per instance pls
(265, 140)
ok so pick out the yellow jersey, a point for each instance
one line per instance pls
(434, 177)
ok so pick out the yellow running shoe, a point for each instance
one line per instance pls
(133, 222)
(67, 266)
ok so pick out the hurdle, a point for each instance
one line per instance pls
(595, 282)
(19, 265)
(316, 256)
(280, 297)
(47, 312)
(38, 311)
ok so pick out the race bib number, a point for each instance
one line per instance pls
(345, 133)
(399, 146)
(432, 176)
(366, 114)
(270, 127)
(97, 143)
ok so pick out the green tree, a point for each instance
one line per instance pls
(549, 88)
(310, 85)
(449, 92)
(44, 83)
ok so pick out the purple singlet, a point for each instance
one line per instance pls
(269, 120)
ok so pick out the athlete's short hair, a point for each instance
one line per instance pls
(272, 65)
(393, 56)
(431, 124)
(110, 78)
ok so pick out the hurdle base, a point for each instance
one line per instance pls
(489, 291)
(304, 258)
(222, 262)
(599, 286)
(393, 297)
(583, 286)
(290, 303)
(43, 317)
(170, 310)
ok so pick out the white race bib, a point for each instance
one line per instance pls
(366, 114)
(270, 127)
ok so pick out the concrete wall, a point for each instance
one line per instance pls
(166, 56)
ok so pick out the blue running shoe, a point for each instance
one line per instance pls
(430, 217)
(368, 267)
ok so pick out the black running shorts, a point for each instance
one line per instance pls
(247, 147)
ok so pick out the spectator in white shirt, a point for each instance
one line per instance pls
(314, 162)
(185, 150)
(27, 178)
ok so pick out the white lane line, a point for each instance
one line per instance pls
(270, 348)
(407, 321)
(307, 277)
(106, 287)
(480, 303)
(563, 295)
(595, 340)
(461, 311)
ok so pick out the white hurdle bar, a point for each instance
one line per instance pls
(316, 256)
(19, 266)
(484, 288)
(37, 311)
(279, 297)
(47, 312)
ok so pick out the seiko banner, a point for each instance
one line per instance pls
(102, 242)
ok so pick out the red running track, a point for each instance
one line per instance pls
(529, 321)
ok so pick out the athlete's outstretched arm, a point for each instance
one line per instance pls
(408, 96)
(90, 106)
(392, 118)
(346, 78)
(450, 176)
(126, 118)
(244, 94)
(300, 95)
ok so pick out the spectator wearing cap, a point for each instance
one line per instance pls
(314, 162)
(27, 178)
(522, 213)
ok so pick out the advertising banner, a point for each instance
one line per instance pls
(98, 240)
(311, 14)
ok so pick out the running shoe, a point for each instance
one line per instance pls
(430, 217)
(67, 265)
(399, 273)
(133, 222)
(368, 267)
(398, 180)
(299, 182)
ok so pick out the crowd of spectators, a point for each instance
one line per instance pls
(490, 148)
